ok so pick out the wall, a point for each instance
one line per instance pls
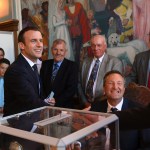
(6, 38)
(6, 42)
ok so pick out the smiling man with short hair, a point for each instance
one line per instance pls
(60, 75)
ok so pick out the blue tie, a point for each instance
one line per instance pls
(55, 70)
(89, 88)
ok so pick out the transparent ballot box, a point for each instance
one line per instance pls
(52, 128)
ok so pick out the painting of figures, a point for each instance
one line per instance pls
(76, 21)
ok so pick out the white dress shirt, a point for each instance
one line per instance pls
(31, 63)
(118, 106)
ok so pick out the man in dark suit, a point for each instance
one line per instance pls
(21, 85)
(59, 75)
(106, 63)
(141, 75)
(22, 89)
(141, 69)
(114, 87)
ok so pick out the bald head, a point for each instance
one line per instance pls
(100, 37)
(98, 45)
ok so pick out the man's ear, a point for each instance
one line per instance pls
(103, 92)
(66, 52)
(21, 45)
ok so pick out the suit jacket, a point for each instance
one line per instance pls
(65, 84)
(129, 140)
(135, 118)
(21, 88)
(109, 63)
(140, 69)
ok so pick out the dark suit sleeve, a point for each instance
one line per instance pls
(136, 118)
(95, 106)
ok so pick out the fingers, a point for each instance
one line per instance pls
(50, 101)
(70, 147)
(87, 108)
(74, 146)
(92, 135)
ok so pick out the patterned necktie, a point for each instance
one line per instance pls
(55, 70)
(37, 75)
(89, 88)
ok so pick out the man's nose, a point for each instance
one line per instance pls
(96, 47)
(58, 51)
(39, 43)
(115, 85)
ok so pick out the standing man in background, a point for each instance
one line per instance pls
(93, 70)
(141, 69)
(60, 75)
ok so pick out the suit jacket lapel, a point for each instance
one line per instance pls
(124, 105)
(103, 106)
(26, 65)
(85, 72)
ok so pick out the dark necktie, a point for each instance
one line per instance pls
(37, 75)
(113, 109)
(55, 70)
(89, 87)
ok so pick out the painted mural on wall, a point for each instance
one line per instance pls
(141, 20)
(76, 21)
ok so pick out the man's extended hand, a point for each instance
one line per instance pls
(50, 101)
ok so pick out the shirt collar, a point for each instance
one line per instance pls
(100, 59)
(2, 79)
(31, 63)
(118, 106)
(58, 63)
